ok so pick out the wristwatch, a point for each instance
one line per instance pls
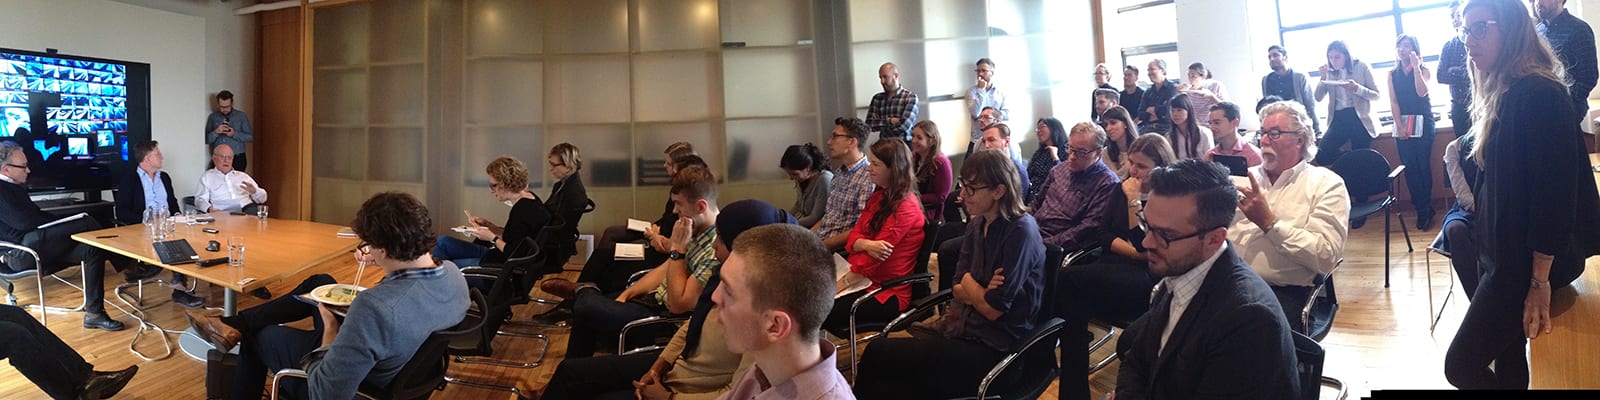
(1536, 284)
(675, 255)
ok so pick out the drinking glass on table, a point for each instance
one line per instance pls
(236, 251)
(261, 212)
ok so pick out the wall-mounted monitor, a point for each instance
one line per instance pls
(74, 115)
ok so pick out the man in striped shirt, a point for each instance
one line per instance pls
(851, 184)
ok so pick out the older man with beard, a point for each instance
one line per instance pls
(1294, 217)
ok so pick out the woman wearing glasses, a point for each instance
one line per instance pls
(884, 243)
(1537, 211)
(1116, 286)
(508, 183)
(1000, 279)
(1347, 84)
(567, 202)
(1408, 97)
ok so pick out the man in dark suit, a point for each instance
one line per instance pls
(146, 186)
(1215, 329)
(19, 223)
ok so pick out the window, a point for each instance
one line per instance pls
(1369, 28)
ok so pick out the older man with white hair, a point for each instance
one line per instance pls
(226, 189)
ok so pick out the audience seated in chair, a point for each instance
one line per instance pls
(1215, 329)
(568, 201)
(223, 188)
(851, 184)
(50, 363)
(508, 183)
(19, 224)
(383, 327)
(146, 187)
(1116, 285)
(773, 299)
(696, 364)
(610, 274)
(1292, 220)
(885, 241)
(997, 296)
(670, 288)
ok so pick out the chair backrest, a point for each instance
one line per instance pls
(424, 373)
(1308, 366)
(11, 251)
(930, 240)
(1365, 173)
(953, 211)
(496, 307)
(1323, 308)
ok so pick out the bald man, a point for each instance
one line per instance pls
(224, 188)
(894, 111)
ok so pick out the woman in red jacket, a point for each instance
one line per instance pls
(884, 243)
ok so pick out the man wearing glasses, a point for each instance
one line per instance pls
(1293, 218)
(851, 184)
(982, 96)
(1214, 329)
(1073, 204)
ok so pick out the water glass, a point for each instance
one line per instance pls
(261, 212)
(236, 251)
(189, 216)
(156, 220)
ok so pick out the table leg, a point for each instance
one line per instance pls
(230, 303)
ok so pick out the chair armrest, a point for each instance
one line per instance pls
(1395, 174)
(918, 307)
(24, 249)
(282, 373)
(907, 280)
(636, 276)
(1044, 333)
(622, 336)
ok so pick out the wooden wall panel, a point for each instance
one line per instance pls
(281, 142)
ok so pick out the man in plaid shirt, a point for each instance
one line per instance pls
(894, 111)
(851, 184)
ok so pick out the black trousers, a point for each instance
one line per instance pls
(56, 247)
(1463, 253)
(927, 368)
(1417, 155)
(267, 347)
(1343, 127)
(1491, 331)
(41, 356)
(871, 311)
(597, 318)
(605, 271)
(1116, 289)
(609, 377)
(949, 253)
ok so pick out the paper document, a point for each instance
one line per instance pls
(841, 267)
(629, 251)
(74, 217)
(638, 226)
(346, 232)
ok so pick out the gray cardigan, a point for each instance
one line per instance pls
(385, 326)
(812, 202)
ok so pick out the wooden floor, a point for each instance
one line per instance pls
(1381, 337)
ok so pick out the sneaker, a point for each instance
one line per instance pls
(187, 300)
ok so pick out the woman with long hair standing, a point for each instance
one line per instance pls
(1052, 150)
(1347, 84)
(1538, 216)
(1122, 132)
(883, 244)
(1408, 96)
(931, 168)
(1189, 139)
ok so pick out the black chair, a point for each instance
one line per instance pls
(1037, 350)
(510, 279)
(1308, 366)
(919, 278)
(38, 279)
(424, 373)
(1366, 174)
(1316, 322)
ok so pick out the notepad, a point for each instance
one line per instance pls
(638, 226)
(629, 252)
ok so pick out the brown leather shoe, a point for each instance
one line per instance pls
(209, 325)
(559, 287)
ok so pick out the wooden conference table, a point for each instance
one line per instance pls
(274, 249)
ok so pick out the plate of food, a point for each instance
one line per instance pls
(335, 294)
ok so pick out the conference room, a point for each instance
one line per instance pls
(558, 146)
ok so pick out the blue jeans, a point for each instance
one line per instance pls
(461, 252)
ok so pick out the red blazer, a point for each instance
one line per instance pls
(903, 229)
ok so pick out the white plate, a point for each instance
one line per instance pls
(329, 294)
(463, 230)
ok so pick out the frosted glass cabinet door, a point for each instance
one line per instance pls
(587, 26)
(504, 27)
(651, 139)
(339, 152)
(1020, 17)
(950, 66)
(397, 30)
(756, 145)
(588, 89)
(479, 146)
(769, 82)
(603, 149)
(504, 91)
(396, 154)
(868, 57)
(875, 20)
(766, 22)
(953, 18)
(674, 86)
(339, 97)
(341, 36)
(677, 24)
(397, 94)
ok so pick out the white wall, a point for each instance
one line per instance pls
(1230, 37)
(173, 44)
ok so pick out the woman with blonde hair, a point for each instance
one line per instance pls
(1538, 215)
(508, 183)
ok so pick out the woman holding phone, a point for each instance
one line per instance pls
(1408, 98)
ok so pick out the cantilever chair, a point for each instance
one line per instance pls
(7, 277)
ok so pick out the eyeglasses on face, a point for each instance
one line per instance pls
(1163, 238)
(1083, 152)
(968, 189)
(1476, 30)
(24, 167)
(364, 248)
(1274, 134)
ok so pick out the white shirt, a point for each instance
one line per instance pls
(1183, 288)
(226, 191)
(1313, 212)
